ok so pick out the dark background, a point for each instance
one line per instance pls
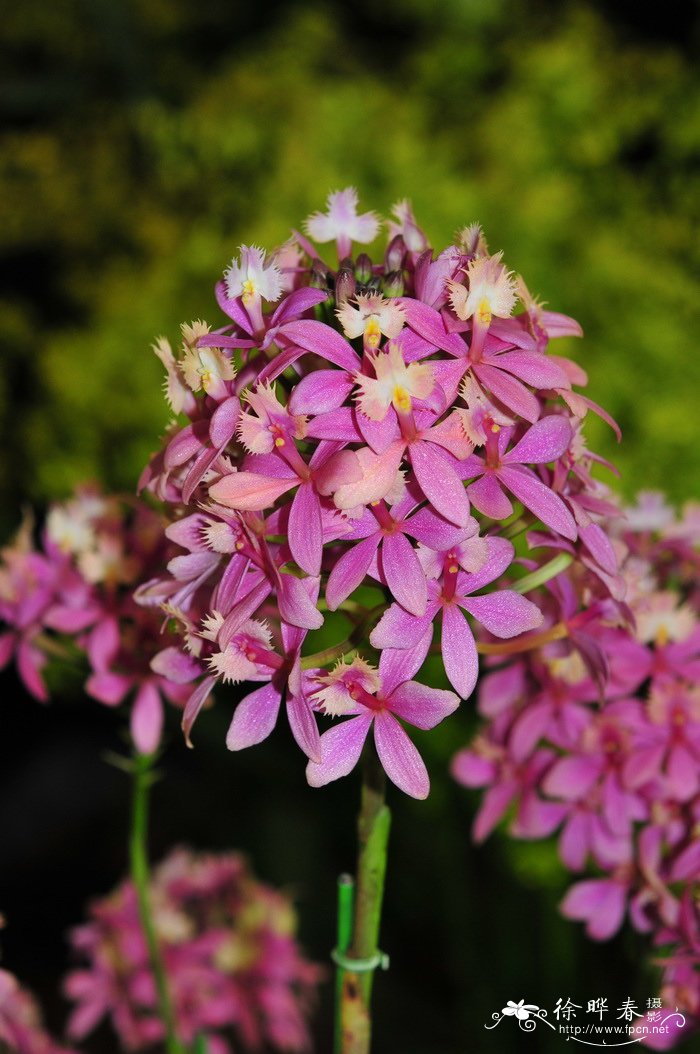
(141, 143)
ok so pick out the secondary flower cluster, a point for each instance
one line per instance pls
(362, 439)
(75, 591)
(236, 975)
(21, 1027)
(597, 735)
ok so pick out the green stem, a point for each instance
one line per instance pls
(373, 831)
(140, 875)
(543, 574)
(346, 903)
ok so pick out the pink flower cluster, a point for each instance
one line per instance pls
(76, 591)
(21, 1027)
(236, 975)
(597, 735)
(364, 438)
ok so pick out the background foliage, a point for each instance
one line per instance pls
(141, 142)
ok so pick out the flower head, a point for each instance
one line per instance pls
(394, 384)
(252, 278)
(342, 222)
(372, 317)
(491, 291)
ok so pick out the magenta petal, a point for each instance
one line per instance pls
(501, 690)
(379, 435)
(533, 494)
(337, 424)
(303, 725)
(175, 665)
(187, 532)
(493, 806)
(504, 613)
(397, 629)
(103, 644)
(580, 404)
(681, 774)
(320, 391)
(397, 665)
(534, 368)
(194, 704)
(422, 706)
(536, 818)
(379, 476)
(232, 307)
(65, 619)
(255, 717)
(341, 747)
(401, 761)
(187, 568)
(514, 395)
(295, 605)
(598, 544)
(486, 494)
(571, 778)
(473, 770)
(281, 362)
(529, 727)
(249, 491)
(574, 841)
(500, 555)
(459, 651)
(404, 573)
(349, 571)
(305, 530)
(243, 611)
(433, 530)
(544, 441)
(600, 903)
(322, 340)
(440, 483)
(296, 304)
(430, 325)
(108, 688)
(223, 422)
(147, 719)
(642, 765)
(339, 469)
(185, 445)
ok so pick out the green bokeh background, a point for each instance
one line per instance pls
(142, 141)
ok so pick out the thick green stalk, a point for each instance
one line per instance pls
(140, 875)
(346, 903)
(373, 831)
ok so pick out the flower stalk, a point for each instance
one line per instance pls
(374, 821)
(140, 875)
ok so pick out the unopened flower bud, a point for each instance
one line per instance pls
(345, 284)
(363, 268)
(319, 275)
(393, 284)
(395, 253)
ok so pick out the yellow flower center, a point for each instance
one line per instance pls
(662, 636)
(401, 399)
(248, 291)
(483, 313)
(372, 333)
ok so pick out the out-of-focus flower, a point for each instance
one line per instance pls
(597, 732)
(235, 971)
(21, 1027)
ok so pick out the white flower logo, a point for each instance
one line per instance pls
(521, 1010)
